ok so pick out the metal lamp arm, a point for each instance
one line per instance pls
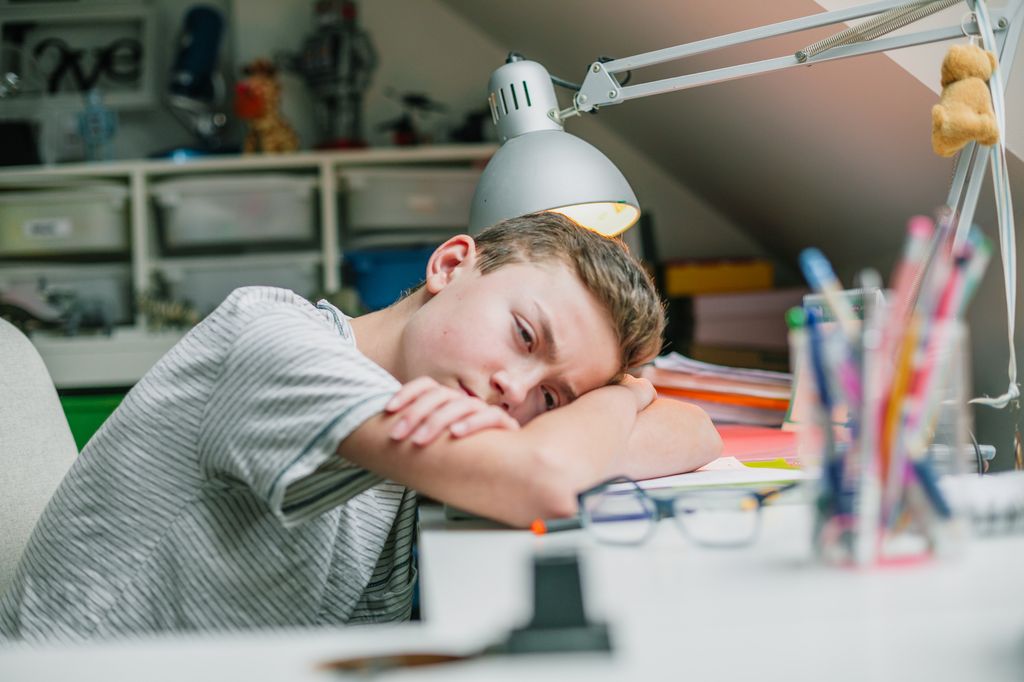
(600, 87)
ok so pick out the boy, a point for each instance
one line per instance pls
(261, 474)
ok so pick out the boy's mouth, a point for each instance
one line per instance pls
(468, 392)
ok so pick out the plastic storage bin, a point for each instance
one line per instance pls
(206, 286)
(80, 219)
(236, 212)
(408, 199)
(382, 275)
(108, 285)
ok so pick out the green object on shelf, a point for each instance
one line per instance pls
(86, 413)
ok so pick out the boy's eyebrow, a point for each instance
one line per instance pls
(551, 347)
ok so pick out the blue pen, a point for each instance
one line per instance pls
(929, 483)
(822, 278)
(832, 467)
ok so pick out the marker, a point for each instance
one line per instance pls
(544, 526)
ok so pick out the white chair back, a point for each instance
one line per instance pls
(36, 446)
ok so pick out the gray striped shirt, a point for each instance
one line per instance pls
(213, 499)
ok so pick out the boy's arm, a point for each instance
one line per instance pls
(511, 476)
(669, 437)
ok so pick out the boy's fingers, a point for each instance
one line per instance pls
(440, 419)
(419, 409)
(409, 392)
(643, 390)
(492, 417)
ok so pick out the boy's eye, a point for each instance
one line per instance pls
(525, 334)
(550, 400)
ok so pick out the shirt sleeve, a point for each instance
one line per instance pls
(290, 390)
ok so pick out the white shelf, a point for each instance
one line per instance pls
(455, 154)
(121, 359)
(96, 360)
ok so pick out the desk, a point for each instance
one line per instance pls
(678, 612)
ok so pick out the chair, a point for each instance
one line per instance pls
(36, 446)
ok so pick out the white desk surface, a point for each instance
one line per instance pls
(677, 612)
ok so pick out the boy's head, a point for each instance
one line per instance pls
(529, 315)
(604, 266)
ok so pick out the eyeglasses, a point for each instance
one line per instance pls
(620, 512)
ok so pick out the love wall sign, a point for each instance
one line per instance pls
(82, 68)
(63, 50)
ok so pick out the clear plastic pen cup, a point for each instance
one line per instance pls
(879, 460)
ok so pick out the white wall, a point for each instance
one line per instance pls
(424, 46)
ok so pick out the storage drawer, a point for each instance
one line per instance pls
(85, 219)
(237, 211)
(408, 199)
(383, 275)
(206, 286)
(108, 286)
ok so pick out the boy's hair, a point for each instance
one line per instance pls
(604, 265)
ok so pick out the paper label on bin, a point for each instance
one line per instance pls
(47, 228)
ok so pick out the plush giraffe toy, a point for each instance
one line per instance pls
(258, 100)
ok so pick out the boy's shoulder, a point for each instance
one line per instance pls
(262, 298)
(247, 307)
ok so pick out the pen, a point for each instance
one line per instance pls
(821, 277)
(543, 526)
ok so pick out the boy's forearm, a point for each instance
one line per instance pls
(583, 438)
(669, 437)
(511, 476)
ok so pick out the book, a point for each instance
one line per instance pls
(689, 278)
(754, 319)
(727, 394)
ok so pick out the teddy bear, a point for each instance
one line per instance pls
(964, 112)
(258, 101)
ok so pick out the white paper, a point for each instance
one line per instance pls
(724, 471)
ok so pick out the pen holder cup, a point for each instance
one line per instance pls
(879, 462)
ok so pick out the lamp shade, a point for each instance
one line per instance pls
(553, 170)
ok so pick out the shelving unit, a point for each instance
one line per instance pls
(120, 359)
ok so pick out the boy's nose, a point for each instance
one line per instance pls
(511, 391)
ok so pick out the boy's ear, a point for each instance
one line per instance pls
(456, 255)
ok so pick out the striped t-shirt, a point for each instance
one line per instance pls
(213, 498)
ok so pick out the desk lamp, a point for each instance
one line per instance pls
(541, 167)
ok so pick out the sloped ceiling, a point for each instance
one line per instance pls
(836, 155)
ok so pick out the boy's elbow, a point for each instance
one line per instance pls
(552, 489)
(711, 441)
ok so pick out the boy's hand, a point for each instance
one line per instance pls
(643, 391)
(427, 409)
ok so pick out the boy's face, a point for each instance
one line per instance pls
(528, 336)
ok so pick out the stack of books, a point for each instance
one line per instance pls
(728, 394)
(727, 312)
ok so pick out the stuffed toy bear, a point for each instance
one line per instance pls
(964, 112)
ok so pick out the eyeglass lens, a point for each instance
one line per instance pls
(620, 517)
(718, 518)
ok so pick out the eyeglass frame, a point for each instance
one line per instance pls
(664, 507)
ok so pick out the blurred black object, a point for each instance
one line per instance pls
(197, 94)
(559, 620)
(19, 143)
(198, 51)
(472, 127)
(404, 129)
